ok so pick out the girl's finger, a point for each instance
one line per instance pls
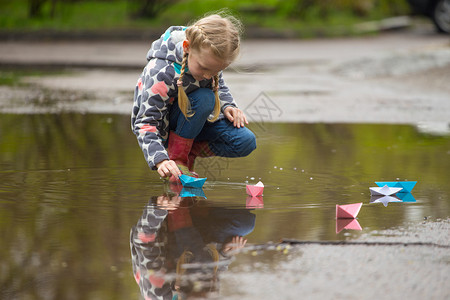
(229, 116)
(173, 169)
(175, 173)
(161, 171)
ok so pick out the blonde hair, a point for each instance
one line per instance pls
(220, 33)
(186, 257)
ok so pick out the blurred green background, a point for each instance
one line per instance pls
(303, 17)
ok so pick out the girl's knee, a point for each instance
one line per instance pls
(202, 101)
(248, 142)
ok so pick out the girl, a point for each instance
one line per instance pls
(181, 101)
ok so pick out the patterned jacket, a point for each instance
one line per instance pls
(156, 245)
(156, 89)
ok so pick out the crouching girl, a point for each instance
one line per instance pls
(181, 101)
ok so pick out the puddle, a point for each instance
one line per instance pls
(73, 186)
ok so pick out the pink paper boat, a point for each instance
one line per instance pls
(255, 190)
(254, 202)
(349, 211)
(351, 224)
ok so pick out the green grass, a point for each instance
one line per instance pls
(14, 77)
(274, 14)
(68, 16)
(9, 78)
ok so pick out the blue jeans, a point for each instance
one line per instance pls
(223, 138)
(221, 224)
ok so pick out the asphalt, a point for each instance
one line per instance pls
(410, 262)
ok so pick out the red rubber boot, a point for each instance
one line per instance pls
(179, 149)
(199, 149)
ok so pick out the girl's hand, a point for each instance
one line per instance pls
(167, 168)
(236, 116)
(168, 203)
(236, 243)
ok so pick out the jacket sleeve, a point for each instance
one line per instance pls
(226, 99)
(148, 241)
(149, 118)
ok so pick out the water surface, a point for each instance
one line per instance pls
(72, 186)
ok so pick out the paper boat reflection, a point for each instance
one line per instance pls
(384, 199)
(188, 181)
(348, 211)
(406, 186)
(406, 197)
(254, 202)
(192, 192)
(255, 190)
(351, 224)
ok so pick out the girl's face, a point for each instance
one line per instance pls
(202, 63)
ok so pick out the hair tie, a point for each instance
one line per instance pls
(180, 82)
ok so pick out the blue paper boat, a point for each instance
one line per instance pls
(406, 185)
(192, 192)
(188, 181)
(406, 197)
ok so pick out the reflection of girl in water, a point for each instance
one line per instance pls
(178, 249)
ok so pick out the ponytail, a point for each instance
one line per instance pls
(183, 100)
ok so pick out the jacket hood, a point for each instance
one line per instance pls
(170, 45)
